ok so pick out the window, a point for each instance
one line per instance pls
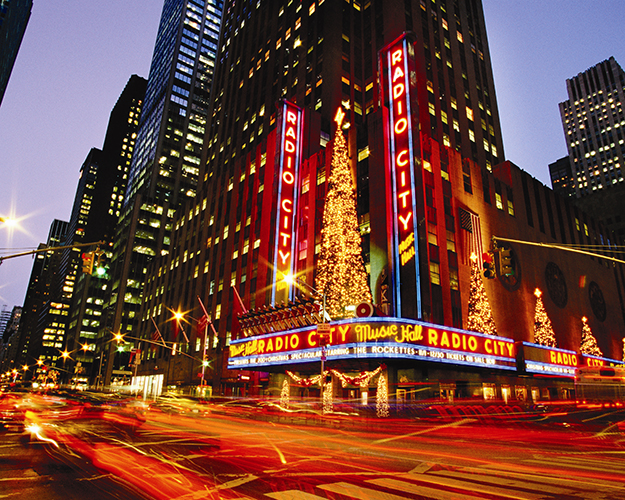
(435, 273)
(498, 201)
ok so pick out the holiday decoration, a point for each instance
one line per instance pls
(589, 343)
(543, 332)
(361, 379)
(328, 404)
(341, 274)
(284, 395)
(306, 382)
(480, 316)
(623, 350)
(382, 408)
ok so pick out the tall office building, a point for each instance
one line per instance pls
(14, 16)
(593, 122)
(96, 210)
(166, 160)
(409, 86)
(9, 340)
(312, 58)
(35, 340)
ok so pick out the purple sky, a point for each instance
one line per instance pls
(77, 55)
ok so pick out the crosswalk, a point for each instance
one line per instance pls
(530, 481)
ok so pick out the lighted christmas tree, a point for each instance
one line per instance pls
(543, 332)
(285, 394)
(480, 316)
(589, 343)
(381, 405)
(341, 273)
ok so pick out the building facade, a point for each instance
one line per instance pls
(165, 163)
(42, 279)
(414, 81)
(14, 16)
(593, 122)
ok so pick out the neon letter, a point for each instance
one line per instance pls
(405, 221)
(396, 57)
(401, 162)
(288, 202)
(401, 125)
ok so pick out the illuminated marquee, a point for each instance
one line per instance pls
(399, 82)
(375, 338)
(549, 360)
(288, 157)
(588, 360)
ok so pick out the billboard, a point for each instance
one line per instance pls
(382, 338)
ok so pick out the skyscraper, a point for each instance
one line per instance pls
(14, 16)
(166, 159)
(408, 85)
(34, 340)
(311, 58)
(97, 205)
(593, 122)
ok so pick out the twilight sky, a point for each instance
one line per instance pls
(77, 56)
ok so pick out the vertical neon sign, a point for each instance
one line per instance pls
(288, 157)
(399, 87)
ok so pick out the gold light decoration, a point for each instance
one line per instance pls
(341, 274)
(480, 316)
(589, 343)
(381, 405)
(362, 379)
(328, 403)
(306, 382)
(285, 394)
(543, 332)
(623, 349)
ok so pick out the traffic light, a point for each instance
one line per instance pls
(100, 265)
(489, 265)
(505, 262)
(87, 262)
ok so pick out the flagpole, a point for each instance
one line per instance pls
(205, 337)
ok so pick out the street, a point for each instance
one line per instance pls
(192, 450)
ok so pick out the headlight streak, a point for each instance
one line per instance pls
(36, 430)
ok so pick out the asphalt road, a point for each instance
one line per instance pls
(209, 451)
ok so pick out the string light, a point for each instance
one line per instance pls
(341, 273)
(328, 403)
(285, 394)
(589, 343)
(480, 316)
(381, 405)
(362, 379)
(306, 382)
(543, 332)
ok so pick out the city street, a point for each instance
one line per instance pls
(191, 450)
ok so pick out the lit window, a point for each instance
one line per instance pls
(498, 201)
(435, 273)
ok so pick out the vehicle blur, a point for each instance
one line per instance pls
(179, 446)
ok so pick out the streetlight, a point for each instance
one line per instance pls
(323, 328)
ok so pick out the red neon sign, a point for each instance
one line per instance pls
(400, 122)
(288, 158)
(398, 70)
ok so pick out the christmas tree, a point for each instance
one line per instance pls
(341, 274)
(480, 317)
(543, 332)
(589, 343)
